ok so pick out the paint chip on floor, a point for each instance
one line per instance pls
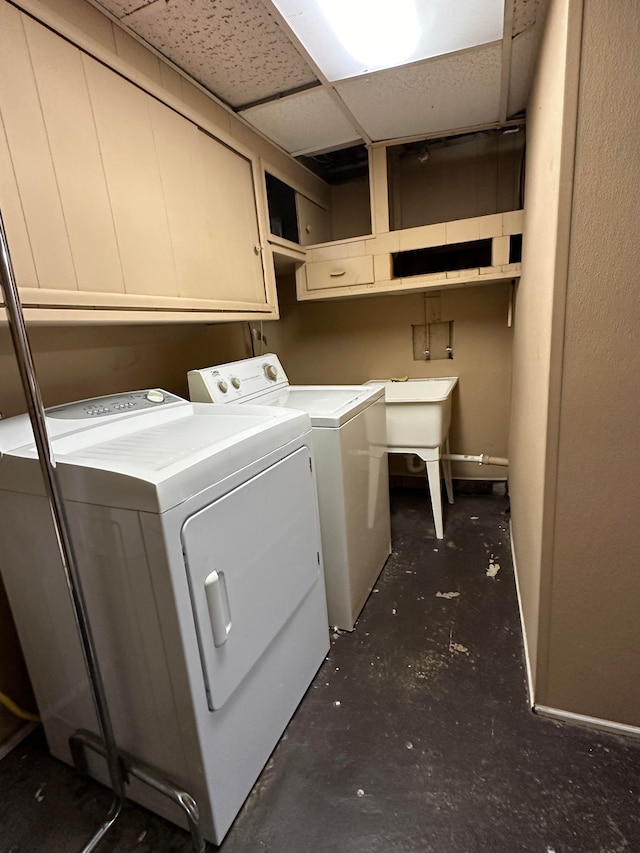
(458, 647)
(493, 568)
(447, 594)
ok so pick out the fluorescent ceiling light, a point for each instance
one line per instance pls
(375, 32)
(346, 38)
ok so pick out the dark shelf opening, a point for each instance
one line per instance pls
(515, 248)
(457, 256)
(283, 219)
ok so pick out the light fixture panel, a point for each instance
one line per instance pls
(370, 35)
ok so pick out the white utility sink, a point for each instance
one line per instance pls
(418, 418)
(418, 411)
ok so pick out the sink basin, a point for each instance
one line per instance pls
(418, 411)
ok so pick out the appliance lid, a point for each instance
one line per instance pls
(327, 405)
(156, 467)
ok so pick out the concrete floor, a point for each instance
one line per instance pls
(415, 735)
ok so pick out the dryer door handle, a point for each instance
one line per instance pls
(215, 588)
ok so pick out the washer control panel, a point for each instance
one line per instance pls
(237, 381)
(113, 404)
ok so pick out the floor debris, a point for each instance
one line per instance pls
(447, 594)
(458, 647)
(493, 568)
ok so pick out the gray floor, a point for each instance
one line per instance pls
(415, 735)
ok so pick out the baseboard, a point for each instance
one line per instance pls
(530, 689)
(584, 720)
(16, 739)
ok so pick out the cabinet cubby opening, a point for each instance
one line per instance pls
(281, 199)
(456, 256)
(515, 248)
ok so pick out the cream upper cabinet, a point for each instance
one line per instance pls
(114, 200)
(31, 207)
(231, 221)
(125, 135)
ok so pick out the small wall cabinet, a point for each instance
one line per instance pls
(370, 266)
(401, 244)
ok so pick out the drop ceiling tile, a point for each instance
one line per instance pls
(234, 48)
(524, 50)
(440, 94)
(303, 123)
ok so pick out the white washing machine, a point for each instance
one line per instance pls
(205, 595)
(349, 439)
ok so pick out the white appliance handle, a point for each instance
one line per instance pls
(215, 588)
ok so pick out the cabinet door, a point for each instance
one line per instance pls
(313, 222)
(231, 223)
(178, 152)
(125, 134)
(75, 152)
(32, 168)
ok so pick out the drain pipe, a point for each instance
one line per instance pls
(26, 367)
(482, 459)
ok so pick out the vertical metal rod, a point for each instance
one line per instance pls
(56, 505)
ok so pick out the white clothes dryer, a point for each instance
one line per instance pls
(205, 595)
(349, 439)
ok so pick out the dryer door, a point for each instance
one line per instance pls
(252, 557)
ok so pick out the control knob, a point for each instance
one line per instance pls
(222, 386)
(235, 382)
(155, 396)
(271, 372)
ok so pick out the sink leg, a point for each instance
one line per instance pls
(433, 475)
(446, 469)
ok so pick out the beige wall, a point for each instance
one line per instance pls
(540, 294)
(574, 448)
(350, 209)
(73, 363)
(469, 176)
(350, 341)
(593, 657)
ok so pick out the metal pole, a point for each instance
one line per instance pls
(56, 505)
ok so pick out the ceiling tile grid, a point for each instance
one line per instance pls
(234, 48)
(305, 122)
(244, 54)
(459, 90)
